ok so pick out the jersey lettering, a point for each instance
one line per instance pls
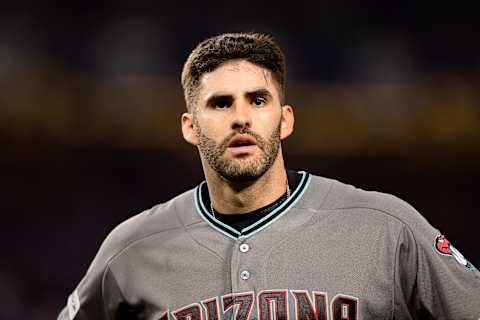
(344, 308)
(191, 312)
(306, 310)
(243, 303)
(211, 309)
(272, 305)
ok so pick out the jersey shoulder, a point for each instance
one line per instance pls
(160, 218)
(343, 196)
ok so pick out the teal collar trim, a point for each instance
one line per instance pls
(261, 224)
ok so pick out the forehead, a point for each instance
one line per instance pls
(235, 78)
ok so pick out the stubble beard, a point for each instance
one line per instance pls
(241, 169)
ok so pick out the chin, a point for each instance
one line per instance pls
(241, 177)
(243, 170)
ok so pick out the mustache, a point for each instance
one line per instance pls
(260, 142)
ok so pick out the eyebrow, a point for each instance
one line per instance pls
(264, 93)
(215, 98)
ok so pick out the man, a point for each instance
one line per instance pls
(256, 241)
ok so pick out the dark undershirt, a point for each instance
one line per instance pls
(239, 221)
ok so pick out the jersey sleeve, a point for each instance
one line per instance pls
(98, 295)
(433, 280)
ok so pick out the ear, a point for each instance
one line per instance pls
(188, 129)
(287, 122)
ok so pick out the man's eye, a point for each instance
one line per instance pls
(222, 104)
(259, 102)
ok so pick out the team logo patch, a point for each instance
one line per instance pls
(443, 246)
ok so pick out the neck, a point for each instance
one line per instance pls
(243, 197)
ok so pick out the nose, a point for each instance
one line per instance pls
(242, 117)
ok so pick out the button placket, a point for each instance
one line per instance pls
(244, 247)
(243, 272)
(245, 275)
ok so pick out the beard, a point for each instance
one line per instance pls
(245, 168)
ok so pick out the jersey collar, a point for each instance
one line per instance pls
(261, 224)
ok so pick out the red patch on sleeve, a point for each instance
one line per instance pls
(443, 245)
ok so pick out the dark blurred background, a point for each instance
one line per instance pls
(386, 95)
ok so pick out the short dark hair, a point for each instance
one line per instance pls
(254, 47)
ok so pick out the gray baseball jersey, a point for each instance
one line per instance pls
(330, 251)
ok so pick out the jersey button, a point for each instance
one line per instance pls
(245, 275)
(244, 247)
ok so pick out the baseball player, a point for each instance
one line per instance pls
(257, 241)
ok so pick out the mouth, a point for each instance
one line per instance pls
(241, 145)
(241, 141)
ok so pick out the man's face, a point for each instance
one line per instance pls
(237, 120)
